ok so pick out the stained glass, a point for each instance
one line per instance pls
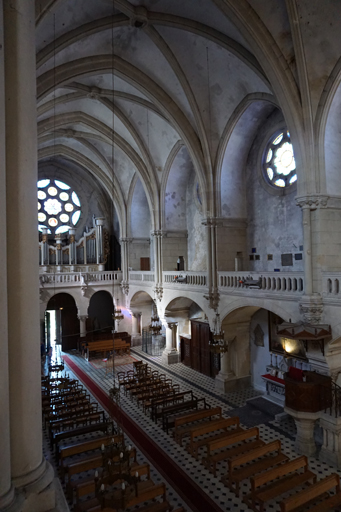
(75, 217)
(52, 206)
(52, 191)
(62, 229)
(61, 185)
(43, 183)
(64, 196)
(279, 161)
(65, 205)
(64, 217)
(75, 199)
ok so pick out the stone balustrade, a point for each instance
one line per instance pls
(79, 278)
(197, 279)
(141, 276)
(283, 283)
(331, 285)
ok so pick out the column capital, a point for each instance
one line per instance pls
(312, 201)
(82, 317)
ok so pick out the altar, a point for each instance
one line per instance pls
(275, 388)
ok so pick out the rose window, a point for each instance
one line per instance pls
(279, 162)
(59, 207)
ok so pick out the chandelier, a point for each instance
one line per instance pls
(218, 344)
(116, 486)
(155, 325)
(117, 314)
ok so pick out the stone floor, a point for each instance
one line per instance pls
(258, 412)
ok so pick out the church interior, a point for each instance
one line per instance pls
(170, 204)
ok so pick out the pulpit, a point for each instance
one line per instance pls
(307, 391)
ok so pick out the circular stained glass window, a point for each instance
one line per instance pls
(279, 164)
(55, 206)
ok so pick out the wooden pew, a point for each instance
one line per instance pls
(79, 448)
(169, 413)
(258, 460)
(105, 426)
(73, 423)
(299, 501)
(147, 491)
(209, 428)
(158, 404)
(102, 346)
(273, 483)
(181, 424)
(225, 442)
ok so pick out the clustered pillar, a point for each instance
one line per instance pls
(23, 465)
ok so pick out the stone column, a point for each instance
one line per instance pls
(171, 355)
(305, 424)
(30, 471)
(134, 324)
(82, 325)
(6, 488)
(209, 253)
(125, 264)
(225, 374)
(158, 263)
(308, 268)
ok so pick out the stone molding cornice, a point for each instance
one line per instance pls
(316, 201)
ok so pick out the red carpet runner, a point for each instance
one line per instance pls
(189, 491)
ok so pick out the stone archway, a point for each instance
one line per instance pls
(69, 323)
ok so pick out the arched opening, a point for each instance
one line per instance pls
(192, 333)
(141, 309)
(100, 312)
(61, 322)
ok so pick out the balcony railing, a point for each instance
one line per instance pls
(288, 283)
(185, 278)
(80, 278)
(331, 283)
(141, 276)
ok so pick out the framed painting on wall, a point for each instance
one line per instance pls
(276, 343)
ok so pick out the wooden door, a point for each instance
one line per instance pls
(205, 353)
(145, 263)
(186, 351)
(195, 346)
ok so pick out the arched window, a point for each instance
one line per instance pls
(279, 166)
(59, 207)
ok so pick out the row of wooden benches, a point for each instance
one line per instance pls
(158, 395)
(270, 472)
(58, 401)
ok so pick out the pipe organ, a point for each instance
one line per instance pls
(88, 250)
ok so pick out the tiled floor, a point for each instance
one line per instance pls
(232, 404)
